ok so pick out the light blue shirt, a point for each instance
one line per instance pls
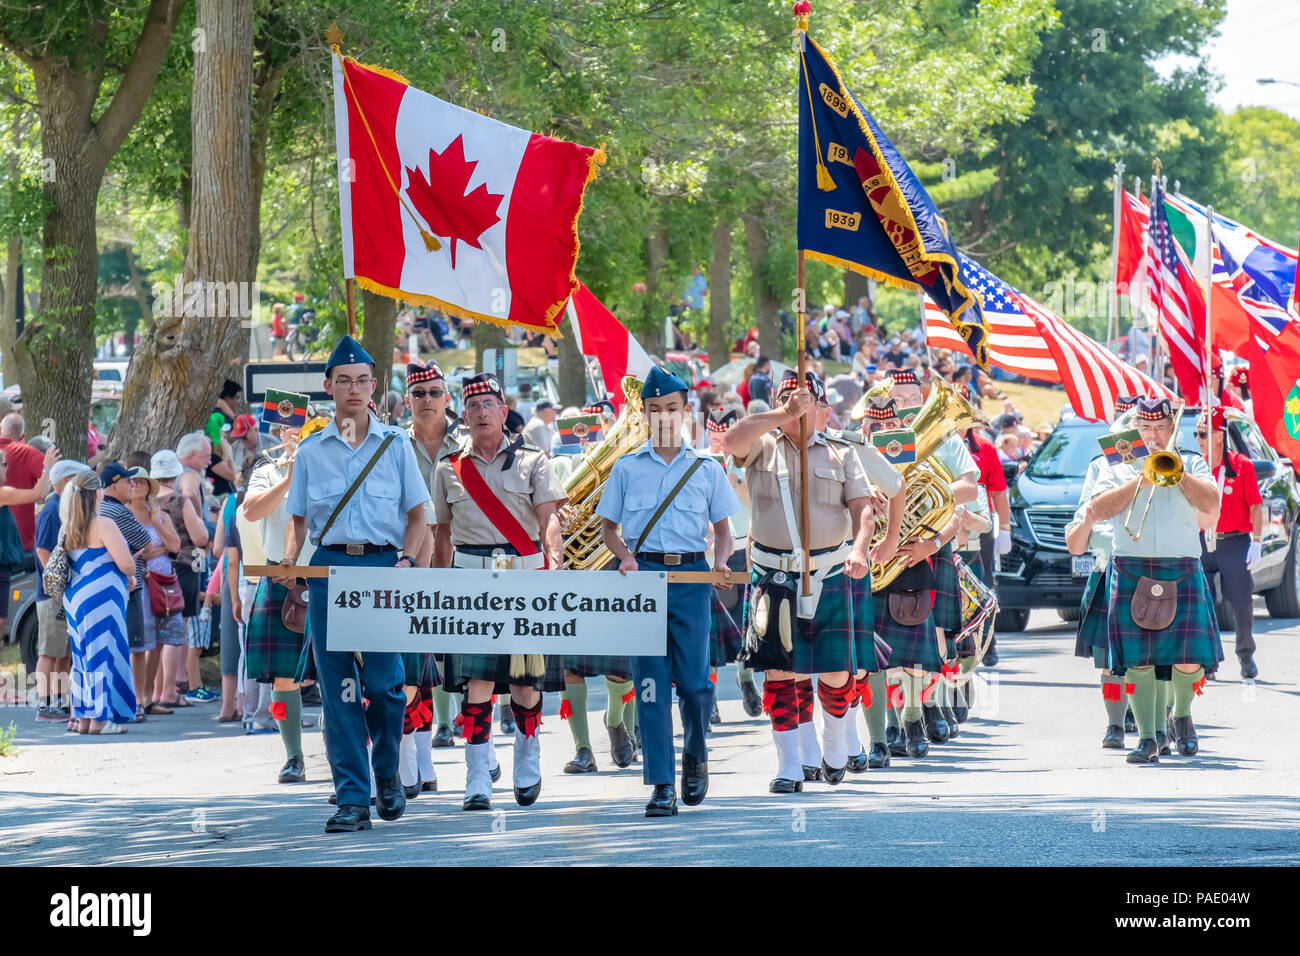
(325, 467)
(1171, 529)
(640, 480)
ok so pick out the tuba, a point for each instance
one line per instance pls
(927, 483)
(584, 549)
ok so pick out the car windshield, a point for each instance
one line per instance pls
(1068, 451)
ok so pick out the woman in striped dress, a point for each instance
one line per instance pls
(101, 570)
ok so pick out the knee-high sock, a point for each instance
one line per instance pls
(407, 769)
(912, 686)
(576, 696)
(1164, 700)
(629, 715)
(781, 701)
(744, 675)
(442, 707)
(1144, 682)
(876, 719)
(1112, 695)
(930, 690)
(424, 754)
(1184, 686)
(503, 701)
(618, 695)
(809, 749)
(289, 704)
(852, 742)
(965, 694)
(835, 708)
(892, 700)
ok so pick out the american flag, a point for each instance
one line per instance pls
(1178, 299)
(1092, 375)
(1014, 343)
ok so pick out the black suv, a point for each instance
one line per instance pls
(1040, 572)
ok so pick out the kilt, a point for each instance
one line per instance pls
(1191, 638)
(597, 665)
(1092, 635)
(947, 592)
(420, 671)
(462, 668)
(826, 644)
(271, 650)
(725, 639)
(909, 646)
(864, 632)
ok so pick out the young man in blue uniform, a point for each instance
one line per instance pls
(639, 482)
(383, 515)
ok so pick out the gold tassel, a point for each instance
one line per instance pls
(430, 240)
(824, 181)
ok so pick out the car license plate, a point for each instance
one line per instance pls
(1081, 564)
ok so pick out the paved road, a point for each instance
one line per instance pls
(1025, 783)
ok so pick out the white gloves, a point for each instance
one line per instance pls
(1253, 555)
(1004, 541)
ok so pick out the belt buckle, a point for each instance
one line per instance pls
(671, 560)
(502, 561)
(355, 549)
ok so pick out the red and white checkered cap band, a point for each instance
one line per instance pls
(881, 413)
(483, 387)
(427, 374)
(713, 426)
(1152, 416)
(1124, 404)
(903, 376)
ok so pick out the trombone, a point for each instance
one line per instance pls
(1163, 469)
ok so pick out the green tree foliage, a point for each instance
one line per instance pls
(1262, 161)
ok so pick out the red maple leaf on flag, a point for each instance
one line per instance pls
(447, 211)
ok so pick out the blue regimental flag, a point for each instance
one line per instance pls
(862, 208)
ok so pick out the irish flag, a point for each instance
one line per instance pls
(443, 206)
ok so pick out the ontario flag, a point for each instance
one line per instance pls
(443, 206)
(1274, 377)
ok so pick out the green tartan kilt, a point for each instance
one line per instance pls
(947, 592)
(1193, 635)
(598, 665)
(908, 646)
(420, 671)
(271, 650)
(826, 644)
(462, 668)
(725, 639)
(1094, 610)
(864, 625)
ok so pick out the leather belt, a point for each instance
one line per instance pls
(670, 559)
(486, 550)
(1220, 535)
(785, 559)
(356, 549)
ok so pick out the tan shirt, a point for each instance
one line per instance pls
(531, 482)
(838, 478)
(428, 464)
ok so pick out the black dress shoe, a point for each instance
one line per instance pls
(348, 819)
(750, 698)
(784, 785)
(663, 801)
(832, 775)
(391, 799)
(429, 786)
(960, 712)
(990, 658)
(1147, 752)
(812, 773)
(878, 756)
(1162, 744)
(412, 791)
(857, 763)
(916, 746)
(527, 796)
(582, 762)
(621, 750)
(695, 780)
(1130, 725)
(443, 737)
(507, 718)
(1185, 735)
(495, 773)
(293, 771)
(936, 728)
(1248, 669)
(311, 696)
(951, 720)
(1114, 739)
(476, 801)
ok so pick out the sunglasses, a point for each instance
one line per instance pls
(430, 393)
(1202, 434)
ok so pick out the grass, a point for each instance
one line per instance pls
(7, 735)
(11, 665)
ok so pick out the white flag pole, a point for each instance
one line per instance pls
(1112, 302)
(1210, 534)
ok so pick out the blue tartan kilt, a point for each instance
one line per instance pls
(725, 639)
(909, 646)
(1094, 611)
(462, 668)
(420, 671)
(864, 626)
(947, 592)
(826, 644)
(271, 650)
(597, 665)
(1193, 635)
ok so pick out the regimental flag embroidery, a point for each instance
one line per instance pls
(908, 415)
(583, 428)
(283, 408)
(1123, 447)
(899, 445)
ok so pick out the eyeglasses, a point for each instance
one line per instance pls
(360, 383)
(1202, 434)
(429, 393)
(486, 408)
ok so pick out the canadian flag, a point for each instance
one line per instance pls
(443, 206)
(600, 335)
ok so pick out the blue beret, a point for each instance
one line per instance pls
(660, 383)
(348, 352)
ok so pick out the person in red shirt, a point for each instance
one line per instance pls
(1238, 535)
(25, 465)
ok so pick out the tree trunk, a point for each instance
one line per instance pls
(573, 371)
(855, 287)
(177, 372)
(766, 303)
(9, 307)
(720, 295)
(656, 300)
(378, 319)
(487, 335)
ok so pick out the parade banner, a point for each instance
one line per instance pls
(472, 611)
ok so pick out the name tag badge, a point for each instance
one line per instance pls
(1227, 490)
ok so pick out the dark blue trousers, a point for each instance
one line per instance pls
(687, 666)
(378, 679)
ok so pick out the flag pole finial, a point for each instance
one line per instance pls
(1156, 166)
(802, 10)
(334, 37)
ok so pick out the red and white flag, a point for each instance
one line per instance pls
(1092, 375)
(443, 206)
(600, 335)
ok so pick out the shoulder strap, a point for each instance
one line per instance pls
(787, 506)
(347, 495)
(663, 505)
(492, 506)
